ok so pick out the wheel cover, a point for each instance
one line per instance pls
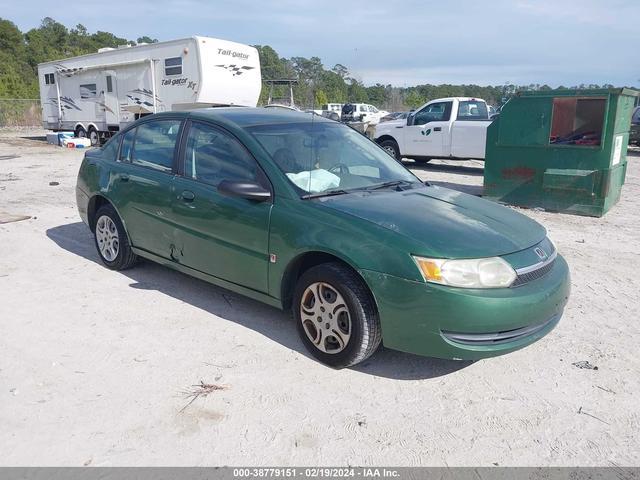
(93, 136)
(107, 238)
(390, 150)
(325, 318)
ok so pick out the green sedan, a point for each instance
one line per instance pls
(307, 215)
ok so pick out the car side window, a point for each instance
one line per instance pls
(110, 149)
(155, 144)
(127, 146)
(436, 112)
(212, 155)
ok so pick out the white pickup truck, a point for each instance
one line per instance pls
(443, 128)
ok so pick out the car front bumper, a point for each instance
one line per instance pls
(467, 324)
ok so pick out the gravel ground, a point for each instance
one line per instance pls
(94, 363)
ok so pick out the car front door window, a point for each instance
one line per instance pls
(436, 112)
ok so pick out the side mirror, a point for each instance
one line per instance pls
(249, 190)
(410, 118)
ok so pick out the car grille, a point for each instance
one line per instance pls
(496, 338)
(529, 274)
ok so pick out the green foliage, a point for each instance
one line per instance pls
(413, 99)
(321, 99)
(146, 39)
(20, 54)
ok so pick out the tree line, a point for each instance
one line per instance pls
(317, 84)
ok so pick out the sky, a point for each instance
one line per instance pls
(490, 42)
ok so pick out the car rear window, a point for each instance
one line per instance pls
(155, 144)
(470, 110)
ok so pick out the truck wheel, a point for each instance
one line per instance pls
(391, 147)
(336, 316)
(80, 132)
(94, 136)
(422, 160)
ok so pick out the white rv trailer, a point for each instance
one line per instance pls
(97, 94)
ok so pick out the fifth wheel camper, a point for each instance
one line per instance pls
(95, 95)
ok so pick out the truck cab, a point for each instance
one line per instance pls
(453, 127)
(363, 112)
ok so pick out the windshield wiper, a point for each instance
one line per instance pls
(328, 193)
(393, 183)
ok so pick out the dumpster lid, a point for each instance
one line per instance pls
(580, 92)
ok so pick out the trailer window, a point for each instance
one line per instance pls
(471, 110)
(577, 121)
(173, 66)
(109, 84)
(49, 79)
(88, 90)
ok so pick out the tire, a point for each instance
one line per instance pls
(107, 228)
(80, 132)
(422, 160)
(94, 136)
(391, 147)
(343, 339)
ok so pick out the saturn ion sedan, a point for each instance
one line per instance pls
(306, 214)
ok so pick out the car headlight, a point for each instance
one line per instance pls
(491, 272)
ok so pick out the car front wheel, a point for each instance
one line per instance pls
(111, 240)
(336, 316)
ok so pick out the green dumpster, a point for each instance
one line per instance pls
(563, 151)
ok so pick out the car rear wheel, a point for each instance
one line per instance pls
(391, 147)
(336, 316)
(111, 240)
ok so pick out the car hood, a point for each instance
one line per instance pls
(443, 223)
(388, 125)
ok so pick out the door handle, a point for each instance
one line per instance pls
(187, 196)
(124, 177)
(437, 129)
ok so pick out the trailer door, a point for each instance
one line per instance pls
(111, 106)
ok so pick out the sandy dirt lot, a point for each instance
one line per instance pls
(93, 362)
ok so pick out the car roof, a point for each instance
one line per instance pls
(248, 117)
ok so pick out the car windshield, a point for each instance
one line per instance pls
(326, 158)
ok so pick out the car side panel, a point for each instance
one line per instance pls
(468, 139)
(299, 227)
(142, 196)
(222, 236)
